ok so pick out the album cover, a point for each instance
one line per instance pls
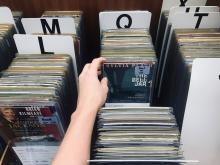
(129, 82)
(32, 121)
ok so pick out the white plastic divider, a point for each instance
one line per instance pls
(7, 17)
(167, 4)
(124, 19)
(200, 132)
(51, 25)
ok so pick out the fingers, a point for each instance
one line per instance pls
(94, 67)
(104, 84)
(99, 72)
(96, 63)
(86, 68)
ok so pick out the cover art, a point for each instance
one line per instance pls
(26, 121)
(129, 82)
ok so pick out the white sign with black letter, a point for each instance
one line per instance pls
(6, 16)
(195, 20)
(200, 132)
(46, 44)
(192, 9)
(167, 4)
(49, 25)
(124, 19)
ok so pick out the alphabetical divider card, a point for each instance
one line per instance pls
(200, 133)
(46, 44)
(187, 20)
(172, 15)
(188, 9)
(167, 4)
(52, 25)
(6, 16)
(199, 20)
(124, 19)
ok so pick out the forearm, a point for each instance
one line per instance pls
(75, 148)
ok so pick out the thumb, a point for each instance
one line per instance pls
(104, 84)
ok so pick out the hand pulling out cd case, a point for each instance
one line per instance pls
(130, 66)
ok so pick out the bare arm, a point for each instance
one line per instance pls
(75, 148)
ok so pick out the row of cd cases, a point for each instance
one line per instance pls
(38, 90)
(127, 130)
(67, 23)
(184, 34)
(35, 92)
(189, 32)
(138, 135)
(152, 134)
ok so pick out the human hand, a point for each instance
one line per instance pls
(92, 92)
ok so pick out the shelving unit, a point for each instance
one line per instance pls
(91, 9)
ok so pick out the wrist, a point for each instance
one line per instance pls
(84, 111)
(87, 107)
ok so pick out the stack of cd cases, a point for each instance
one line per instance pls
(130, 66)
(17, 18)
(204, 43)
(36, 90)
(135, 134)
(7, 45)
(36, 102)
(186, 45)
(161, 30)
